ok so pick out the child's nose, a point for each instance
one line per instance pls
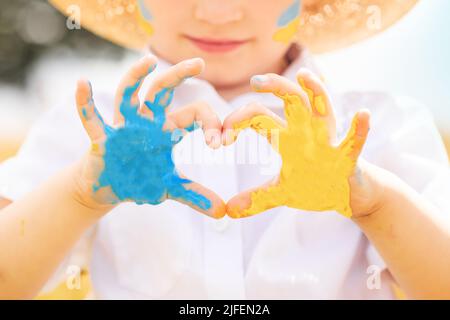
(218, 11)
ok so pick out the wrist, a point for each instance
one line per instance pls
(81, 192)
(367, 190)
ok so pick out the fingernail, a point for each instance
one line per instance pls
(229, 136)
(260, 80)
(223, 138)
(146, 58)
(191, 62)
(212, 141)
(208, 137)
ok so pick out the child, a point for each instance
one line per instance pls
(61, 187)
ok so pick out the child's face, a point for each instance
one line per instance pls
(234, 37)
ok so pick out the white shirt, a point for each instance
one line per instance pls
(171, 251)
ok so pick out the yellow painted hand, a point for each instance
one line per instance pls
(314, 174)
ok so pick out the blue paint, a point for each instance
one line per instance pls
(259, 81)
(194, 126)
(289, 14)
(144, 11)
(151, 69)
(138, 156)
(84, 112)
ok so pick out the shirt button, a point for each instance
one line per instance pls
(221, 225)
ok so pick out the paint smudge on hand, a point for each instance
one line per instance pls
(314, 173)
(138, 163)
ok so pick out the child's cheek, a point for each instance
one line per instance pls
(288, 23)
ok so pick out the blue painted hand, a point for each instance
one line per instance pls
(132, 160)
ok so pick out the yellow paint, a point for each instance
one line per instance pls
(145, 25)
(62, 292)
(287, 33)
(314, 174)
(320, 107)
(318, 101)
(95, 147)
(398, 293)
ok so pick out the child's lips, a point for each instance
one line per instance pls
(216, 45)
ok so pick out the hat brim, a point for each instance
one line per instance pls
(324, 25)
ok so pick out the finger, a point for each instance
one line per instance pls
(319, 98)
(240, 206)
(192, 127)
(199, 114)
(127, 100)
(254, 116)
(264, 126)
(357, 135)
(90, 117)
(198, 198)
(159, 92)
(179, 133)
(317, 93)
(279, 86)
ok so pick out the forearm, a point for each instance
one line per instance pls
(37, 231)
(411, 236)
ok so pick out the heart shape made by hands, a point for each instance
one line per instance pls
(133, 160)
(315, 172)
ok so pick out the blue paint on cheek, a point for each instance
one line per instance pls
(138, 156)
(289, 14)
(84, 112)
(144, 11)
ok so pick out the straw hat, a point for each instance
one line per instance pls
(324, 24)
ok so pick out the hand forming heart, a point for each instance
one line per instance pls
(132, 161)
(314, 174)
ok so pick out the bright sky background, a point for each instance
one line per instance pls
(411, 58)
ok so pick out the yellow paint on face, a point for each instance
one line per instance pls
(144, 18)
(145, 25)
(314, 174)
(287, 33)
